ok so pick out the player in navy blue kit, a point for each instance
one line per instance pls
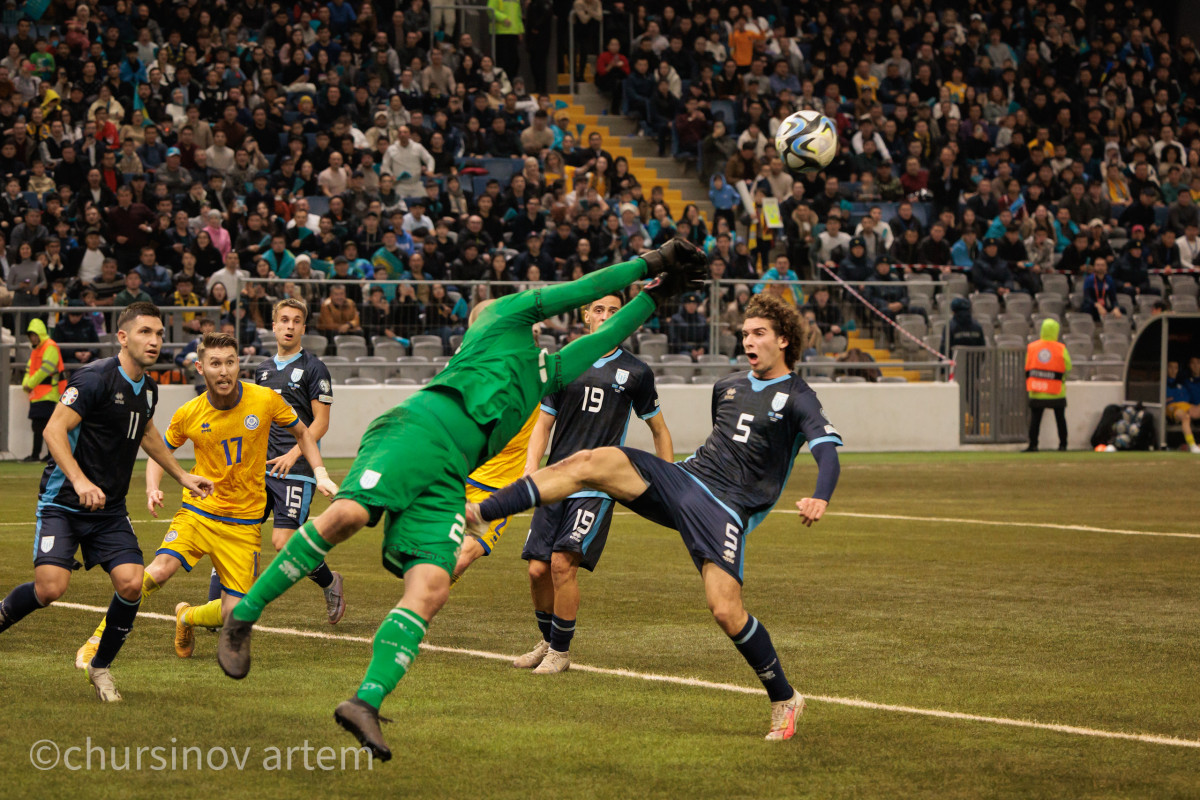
(104, 415)
(717, 496)
(302, 379)
(592, 411)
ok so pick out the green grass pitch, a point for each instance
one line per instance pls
(1048, 624)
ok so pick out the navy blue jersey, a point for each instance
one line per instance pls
(115, 412)
(593, 410)
(299, 380)
(758, 427)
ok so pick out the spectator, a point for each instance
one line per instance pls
(688, 328)
(890, 299)
(990, 273)
(44, 383)
(962, 330)
(132, 293)
(75, 328)
(1100, 292)
(338, 314)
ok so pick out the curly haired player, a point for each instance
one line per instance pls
(724, 490)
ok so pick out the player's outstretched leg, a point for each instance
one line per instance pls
(750, 637)
(303, 552)
(150, 585)
(605, 469)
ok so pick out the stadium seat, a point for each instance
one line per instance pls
(362, 382)
(390, 350)
(836, 344)
(340, 368)
(1145, 302)
(1059, 284)
(850, 379)
(1010, 340)
(985, 303)
(1184, 284)
(1014, 327)
(318, 205)
(653, 347)
(352, 350)
(727, 344)
(440, 362)
(955, 283)
(1078, 322)
(399, 382)
(1183, 303)
(818, 379)
(893, 379)
(643, 338)
(1114, 344)
(376, 367)
(348, 338)
(1048, 303)
(416, 368)
(1113, 324)
(680, 365)
(376, 341)
(269, 347)
(1079, 346)
(669, 379)
(1156, 282)
(943, 303)
(1125, 303)
(455, 343)
(713, 366)
(819, 365)
(1141, 319)
(314, 343)
(706, 379)
(1021, 304)
(429, 350)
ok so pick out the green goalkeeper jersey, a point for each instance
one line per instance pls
(500, 374)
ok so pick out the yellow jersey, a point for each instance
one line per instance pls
(509, 464)
(231, 449)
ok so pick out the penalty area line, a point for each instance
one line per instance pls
(852, 702)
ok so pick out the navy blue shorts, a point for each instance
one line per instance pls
(107, 539)
(289, 501)
(676, 499)
(576, 525)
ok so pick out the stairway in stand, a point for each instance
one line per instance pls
(619, 135)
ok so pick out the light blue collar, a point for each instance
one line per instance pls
(137, 385)
(281, 364)
(607, 358)
(757, 384)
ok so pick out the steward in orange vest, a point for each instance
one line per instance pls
(44, 382)
(1047, 363)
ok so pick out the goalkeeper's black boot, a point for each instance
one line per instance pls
(362, 720)
(233, 648)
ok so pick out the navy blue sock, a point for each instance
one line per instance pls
(21, 602)
(121, 614)
(754, 643)
(214, 587)
(561, 631)
(511, 500)
(543, 623)
(322, 576)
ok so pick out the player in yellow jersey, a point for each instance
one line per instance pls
(506, 467)
(229, 426)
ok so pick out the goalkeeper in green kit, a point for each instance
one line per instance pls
(413, 462)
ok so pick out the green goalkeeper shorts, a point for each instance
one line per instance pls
(411, 470)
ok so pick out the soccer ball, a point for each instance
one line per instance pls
(189, 364)
(807, 141)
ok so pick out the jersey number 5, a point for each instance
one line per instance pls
(743, 427)
(593, 398)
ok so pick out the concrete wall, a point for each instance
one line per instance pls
(870, 417)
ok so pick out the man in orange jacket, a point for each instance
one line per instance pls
(1047, 363)
(44, 382)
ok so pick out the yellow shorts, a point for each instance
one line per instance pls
(1177, 411)
(233, 548)
(495, 529)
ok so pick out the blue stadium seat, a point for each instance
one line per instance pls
(725, 110)
(318, 204)
(479, 183)
(31, 199)
(1160, 216)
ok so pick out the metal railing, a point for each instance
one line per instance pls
(993, 403)
(465, 7)
(572, 19)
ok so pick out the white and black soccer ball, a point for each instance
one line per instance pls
(807, 141)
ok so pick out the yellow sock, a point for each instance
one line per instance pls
(205, 616)
(1190, 438)
(149, 587)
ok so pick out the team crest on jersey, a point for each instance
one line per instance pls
(171, 536)
(777, 403)
(324, 386)
(622, 376)
(369, 478)
(297, 374)
(70, 396)
(149, 401)
(251, 422)
(47, 544)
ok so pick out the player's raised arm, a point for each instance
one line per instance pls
(57, 438)
(162, 459)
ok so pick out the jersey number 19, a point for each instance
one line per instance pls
(593, 398)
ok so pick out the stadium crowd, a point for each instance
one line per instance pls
(170, 150)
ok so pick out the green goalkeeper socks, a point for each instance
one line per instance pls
(300, 556)
(396, 645)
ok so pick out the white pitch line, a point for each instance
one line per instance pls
(957, 521)
(1075, 730)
